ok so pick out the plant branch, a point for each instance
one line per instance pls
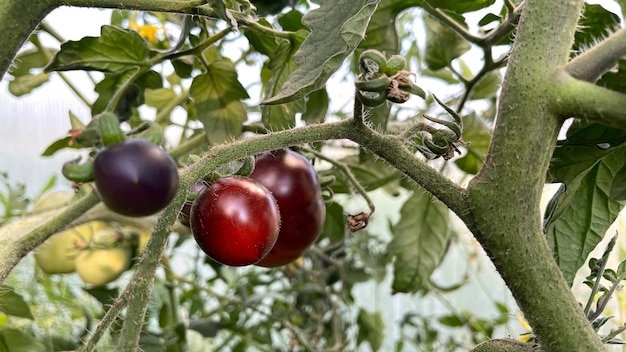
(507, 190)
(394, 151)
(589, 101)
(505, 345)
(20, 237)
(18, 19)
(593, 63)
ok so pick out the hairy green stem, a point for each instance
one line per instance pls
(18, 19)
(593, 63)
(589, 102)
(506, 194)
(394, 151)
(15, 243)
(505, 345)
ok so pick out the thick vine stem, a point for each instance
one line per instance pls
(15, 242)
(507, 191)
(589, 101)
(593, 63)
(505, 345)
(18, 19)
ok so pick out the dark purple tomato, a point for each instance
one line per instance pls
(235, 220)
(135, 178)
(294, 183)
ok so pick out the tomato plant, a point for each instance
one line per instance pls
(135, 178)
(235, 220)
(294, 183)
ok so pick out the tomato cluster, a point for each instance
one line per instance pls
(98, 252)
(269, 218)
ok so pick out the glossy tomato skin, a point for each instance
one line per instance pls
(135, 177)
(294, 183)
(235, 220)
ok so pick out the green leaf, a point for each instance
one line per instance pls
(115, 51)
(292, 21)
(25, 84)
(381, 32)
(615, 79)
(60, 144)
(316, 107)
(618, 188)
(218, 96)
(437, 55)
(461, 6)
(106, 88)
(418, 241)
(335, 222)
(28, 59)
(11, 303)
(487, 87)
(337, 27)
(372, 173)
(159, 98)
(280, 66)
(478, 135)
(371, 329)
(594, 134)
(452, 320)
(20, 340)
(584, 211)
(595, 24)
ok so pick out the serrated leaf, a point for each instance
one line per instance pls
(115, 51)
(25, 84)
(371, 329)
(436, 55)
(337, 27)
(12, 303)
(418, 241)
(218, 94)
(478, 135)
(584, 211)
(29, 59)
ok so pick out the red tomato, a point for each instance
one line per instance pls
(294, 183)
(235, 221)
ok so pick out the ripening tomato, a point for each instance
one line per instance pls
(235, 220)
(293, 182)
